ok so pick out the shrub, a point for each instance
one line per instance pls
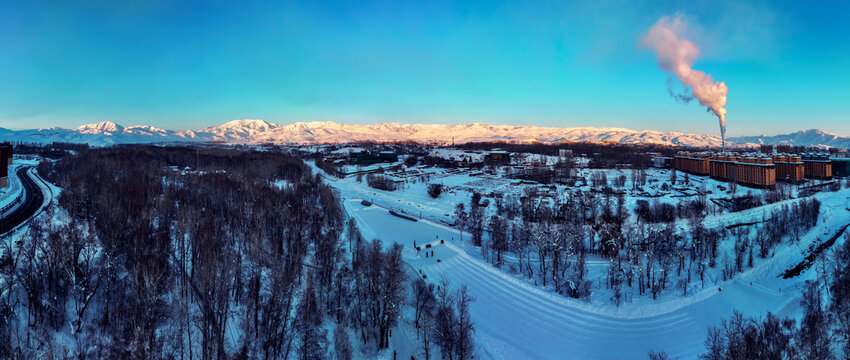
(434, 190)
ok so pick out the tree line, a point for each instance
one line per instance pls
(823, 332)
(176, 252)
(646, 250)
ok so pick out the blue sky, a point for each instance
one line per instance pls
(189, 64)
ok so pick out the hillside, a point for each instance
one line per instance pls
(260, 131)
(811, 137)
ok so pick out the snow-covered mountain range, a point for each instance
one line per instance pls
(811, 137)
(260, 131)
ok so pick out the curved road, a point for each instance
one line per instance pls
(33, 199)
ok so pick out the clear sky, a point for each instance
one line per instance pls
(189, 64)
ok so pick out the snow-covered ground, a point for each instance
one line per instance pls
(516, 319)
(15, 189)
(9, 193)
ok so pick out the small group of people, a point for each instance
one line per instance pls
(426, 251)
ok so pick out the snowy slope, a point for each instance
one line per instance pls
(330, 132)
(260, 131)
(100, 134)
(811, 137)
(516, 320)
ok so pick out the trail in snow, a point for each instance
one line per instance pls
(520, 321)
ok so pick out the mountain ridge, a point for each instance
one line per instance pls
(253, 131)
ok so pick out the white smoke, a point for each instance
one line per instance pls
(676, 55)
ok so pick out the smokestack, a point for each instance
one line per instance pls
(676, 55)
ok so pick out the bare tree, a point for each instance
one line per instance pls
(460, 218)
(465, 327)
(424, 301)
(310, 335)
(342, 344)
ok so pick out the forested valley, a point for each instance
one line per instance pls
(156, 252)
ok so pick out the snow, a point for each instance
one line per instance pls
(303, 133)
(281, 184)
(10, 193)
(49, 190)
(811, 137)
(103, 127)
(515, 318)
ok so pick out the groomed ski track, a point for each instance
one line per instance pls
(517, 320)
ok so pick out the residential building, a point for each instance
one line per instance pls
(817, 166)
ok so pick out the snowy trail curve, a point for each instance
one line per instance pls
(518, 320)
(515, 320)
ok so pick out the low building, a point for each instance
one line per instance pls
(564, 154)
(372, 157)
(388, 156)
(497, 157)
(664, 162)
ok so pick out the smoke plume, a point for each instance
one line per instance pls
(676, 55)
(683, 97)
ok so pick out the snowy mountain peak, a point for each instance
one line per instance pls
(247, 124)
(815, 132)
(145, 128)
(101, 127)
(252, 131)
(811, 137)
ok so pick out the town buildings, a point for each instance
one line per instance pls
(372, 157)
(755, 169)
(748, 169)
(498, 158)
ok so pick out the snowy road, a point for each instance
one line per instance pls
(32, 201)
(516, 320)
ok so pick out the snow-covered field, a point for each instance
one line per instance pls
(516, 319)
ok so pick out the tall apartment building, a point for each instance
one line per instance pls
(722, 166)
(817, 166)
(754, 170)
(5, 161)
(694, 163)
(4, 176)
(789, 167)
